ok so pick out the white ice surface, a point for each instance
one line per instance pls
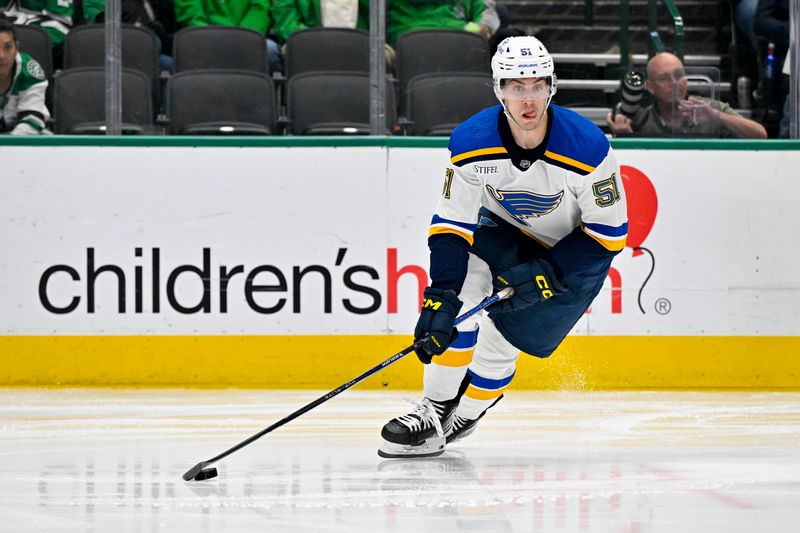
(632, 462)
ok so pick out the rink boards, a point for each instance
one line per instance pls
(299, 263)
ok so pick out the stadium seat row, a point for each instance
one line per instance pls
(241, 102)
(221, 83)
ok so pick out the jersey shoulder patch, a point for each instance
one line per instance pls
(575, 143)
(477, 139)
(30, 73)
(34, 69)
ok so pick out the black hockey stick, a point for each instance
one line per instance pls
(202, 471)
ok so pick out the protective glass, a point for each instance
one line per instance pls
(693, 103)
(518, 91)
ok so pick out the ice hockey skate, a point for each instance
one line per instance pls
(420, 433)
(459, 428)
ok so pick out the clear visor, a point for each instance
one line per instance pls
(514, 90)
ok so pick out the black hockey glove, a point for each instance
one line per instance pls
(532, 282)
(439, 310)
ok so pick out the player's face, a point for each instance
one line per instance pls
(525, 100)
(8, 53)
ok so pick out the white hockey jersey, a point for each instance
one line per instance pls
(570, 181)
(22, 107)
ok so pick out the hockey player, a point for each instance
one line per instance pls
(22, 87)
(532, 199)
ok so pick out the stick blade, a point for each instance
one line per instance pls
(207, 473)
(192, 472)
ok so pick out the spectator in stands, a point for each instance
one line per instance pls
(401, 16)
(783, 131)
(155, 15)
(502, 33)
(673, 114)
(22, 87)
(93, 12)
(293, 15)
(407, 15)
(494, 17)
(252, 14)
(745, 11)
(54, 16)
(771, 24)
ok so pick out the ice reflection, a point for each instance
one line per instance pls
(632, 462)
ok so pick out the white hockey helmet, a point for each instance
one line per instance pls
(522, 57)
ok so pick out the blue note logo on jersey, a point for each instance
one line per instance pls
(525, 204)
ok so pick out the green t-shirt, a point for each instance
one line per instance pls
(401, 16)
(253, 14)
(93, 8)
(294, 15)
(407, 15)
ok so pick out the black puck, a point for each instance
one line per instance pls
(207, 473)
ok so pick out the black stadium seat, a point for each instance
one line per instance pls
(84, 46)
(327, 49)
(221, 102)
(433, 51)
(332, 103)
(79, 101)
(219, 48)
(34, 41)
(437, 103)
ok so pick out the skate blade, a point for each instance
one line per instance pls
(432, 448)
